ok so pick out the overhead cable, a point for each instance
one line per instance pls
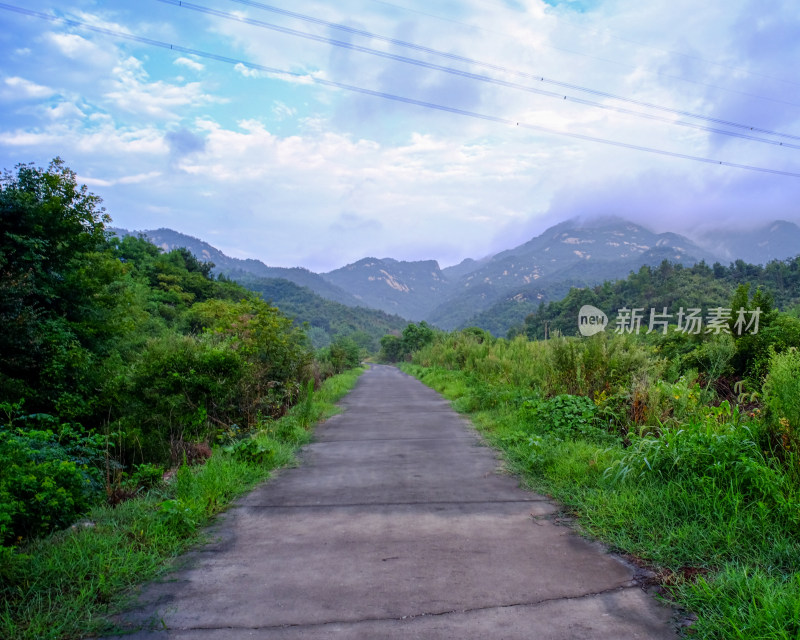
(384, 95)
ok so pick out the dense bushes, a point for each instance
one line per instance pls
(782, 396)
(48, 477)
(144, 353)
(342, 354)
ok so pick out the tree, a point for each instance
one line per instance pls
(416, 336)
(47, 224)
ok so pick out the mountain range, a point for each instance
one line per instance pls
(498, 291)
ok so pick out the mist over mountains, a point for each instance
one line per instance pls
(498, 291)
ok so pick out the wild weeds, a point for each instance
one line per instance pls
(702, 489)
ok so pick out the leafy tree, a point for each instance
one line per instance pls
(344, 354)
(391, 348)
(48, 228)
(414, 337)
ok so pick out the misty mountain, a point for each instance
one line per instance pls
(777, 240)
(463, 268)
(584, 248)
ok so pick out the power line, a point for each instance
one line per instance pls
(593, 57)
(381, 94)
(458, 72)
(486, 65)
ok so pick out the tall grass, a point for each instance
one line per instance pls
(701, 491)
(67, 585)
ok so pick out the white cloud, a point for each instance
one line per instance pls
(139, 177)
(110, 182)
(73, 45)
(64, 110)
(134, 93)
(21, 88)
(189, 63)
(248, 72)
(283, 111)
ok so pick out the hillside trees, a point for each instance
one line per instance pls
(114, 353)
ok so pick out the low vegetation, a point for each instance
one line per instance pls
(67, 584)
(679, 451)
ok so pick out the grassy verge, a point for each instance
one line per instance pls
(66, 585)
(724, 544)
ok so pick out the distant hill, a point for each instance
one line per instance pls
(587, 248)
(463, 268)
(497, 294)
(326, 319)
(168, 239)
(409, 289)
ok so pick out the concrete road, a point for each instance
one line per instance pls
(398, 524)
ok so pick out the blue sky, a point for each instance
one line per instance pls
(294, 171)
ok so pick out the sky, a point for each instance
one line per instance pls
(308, 133)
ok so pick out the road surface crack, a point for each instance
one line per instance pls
(408, 617)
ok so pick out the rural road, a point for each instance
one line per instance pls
(397, 524)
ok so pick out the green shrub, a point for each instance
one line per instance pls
(146, 476)
(41, 488)
(257, 451)
(566, 417)
(742, 602)
(343, 354)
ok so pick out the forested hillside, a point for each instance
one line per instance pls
(672, 286)
(326, 320)
(168, 239)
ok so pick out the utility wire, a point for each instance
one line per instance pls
(486, 65)
(594, 57)
(381, 94)
(464, 74)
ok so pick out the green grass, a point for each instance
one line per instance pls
(724, 539)
(68, 584)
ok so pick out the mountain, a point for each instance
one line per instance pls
(409, 289)
(463, 268)
(326, 319)
(777, 240)
(603, 245)
(235, 268)
(501, 290)
(498, 291)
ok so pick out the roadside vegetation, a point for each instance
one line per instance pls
(139, 395)
(679, 451)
